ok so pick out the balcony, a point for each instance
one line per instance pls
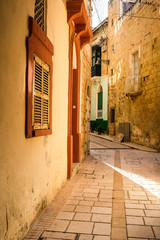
(133, 86)
(96, 70)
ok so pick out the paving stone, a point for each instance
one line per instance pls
(144, 202)
(140, 231)
(105, 196)
(79, 198)
(59, 225)
(131, 201)
(58, 235)
(118, 213)
(91, 190)
(152, 221)
(133, 197)
(69, 208)
(157, 232)
(118, 194)
(102, 210)
(137, 193)
(71, 202)
(137, 238)
(152, 213)
(86, 203)
(103, 204)
(101, 237)
(118, 206)
(65, 215)
(90, 195)
(150, 206)
(101, 218)
(118, 233)
(84, 209)
(91, 199)
(134, 212)
(105, 200)
(80, 227)
(135, 220)
(109, 192)
(137, 206)
(76, 194)
(102, 228)
(83, 216)
(118, 222)
(85, 237)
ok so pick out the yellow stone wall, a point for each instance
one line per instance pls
(130, 34)
(31, 170)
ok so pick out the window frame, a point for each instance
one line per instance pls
(100, 90)
(37, 44)
(112, 114)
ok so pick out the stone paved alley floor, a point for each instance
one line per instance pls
(114, 195)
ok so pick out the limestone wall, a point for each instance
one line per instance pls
(85, 99)
(128, 35)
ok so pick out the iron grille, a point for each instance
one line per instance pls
(40, 13)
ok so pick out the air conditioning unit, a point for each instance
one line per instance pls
(133, 85)
(104, 48)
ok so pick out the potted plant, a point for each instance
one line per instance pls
(99, 130)
(93, 128)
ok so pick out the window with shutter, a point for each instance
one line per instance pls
(41, 83)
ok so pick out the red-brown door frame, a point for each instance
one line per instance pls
(80, 34)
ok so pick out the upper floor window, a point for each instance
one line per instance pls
(135, 63)
(96, 61)
(40, 13)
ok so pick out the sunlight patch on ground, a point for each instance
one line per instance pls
(146, 183)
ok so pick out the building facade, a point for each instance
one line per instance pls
(99, 80)
(134, 71)
(40, 94)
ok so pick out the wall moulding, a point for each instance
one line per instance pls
(80, 34)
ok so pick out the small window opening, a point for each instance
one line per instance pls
(40, 11)
(112, 115)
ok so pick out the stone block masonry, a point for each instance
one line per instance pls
(140, 104)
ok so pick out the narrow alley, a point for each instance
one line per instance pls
(80, 119)
(114, 195)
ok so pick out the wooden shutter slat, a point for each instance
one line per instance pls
(41, 94)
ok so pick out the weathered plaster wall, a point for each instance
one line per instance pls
(31, 170)
(128, 35)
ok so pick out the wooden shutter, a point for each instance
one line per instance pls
(100, 100)
(41, 92)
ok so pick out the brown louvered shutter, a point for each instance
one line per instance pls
(41, 92)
